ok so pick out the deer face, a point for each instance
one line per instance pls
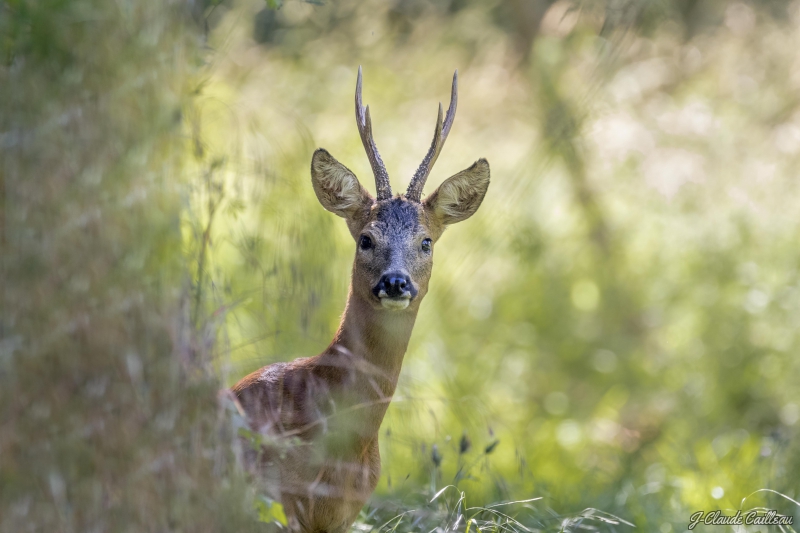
(395, 236)
(394, 254)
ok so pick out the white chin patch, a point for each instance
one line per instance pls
(389, 303)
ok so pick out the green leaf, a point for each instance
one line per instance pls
(274, 4)
(254, 439)
(269, 511)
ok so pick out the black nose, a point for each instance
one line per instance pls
(394, 283)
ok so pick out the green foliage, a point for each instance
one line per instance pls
(108, 412)
(270, 511)
(613, 332)
(614, 329)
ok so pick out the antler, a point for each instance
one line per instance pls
(414, 191)
(383, 189)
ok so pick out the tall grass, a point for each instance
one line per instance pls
(108, 417)
(624, 355)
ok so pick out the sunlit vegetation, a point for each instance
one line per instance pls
(610, 340)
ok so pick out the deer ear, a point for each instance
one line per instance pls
(337, 188)
(459, 196)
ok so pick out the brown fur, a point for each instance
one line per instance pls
(321, 415)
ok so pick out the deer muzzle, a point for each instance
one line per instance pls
(395, 290)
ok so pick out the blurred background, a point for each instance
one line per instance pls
(626, 351)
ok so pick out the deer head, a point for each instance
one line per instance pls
(396, 235)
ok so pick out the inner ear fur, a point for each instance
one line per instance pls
(460, 196)
(337, 188)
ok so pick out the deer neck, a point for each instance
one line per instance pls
(375, 340)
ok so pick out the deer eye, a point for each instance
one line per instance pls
(426, 245)
(365, 243)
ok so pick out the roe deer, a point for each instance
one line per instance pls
(321, 415)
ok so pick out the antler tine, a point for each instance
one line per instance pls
(414, 191)
(364, 122)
